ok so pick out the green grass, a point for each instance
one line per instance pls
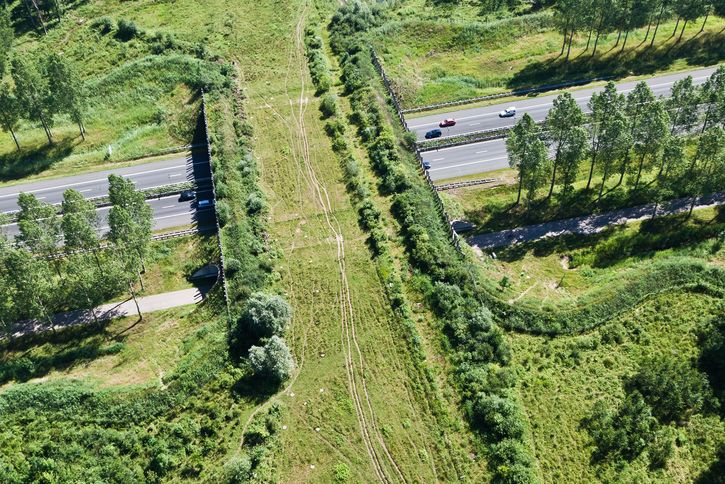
(562, 270)
(562, 378)
(141, 100)
(436, 54)
(308, 274)
(122, 352)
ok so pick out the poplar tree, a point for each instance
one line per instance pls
(33, 94)
(527, 154)
(604, 106)
(650, 135)
(713, 96)
(682, 105)
(130, 220)
(9, 113)
(39, 225)
(561, 120)
(614, 141)
(66, 89)
(6, 38)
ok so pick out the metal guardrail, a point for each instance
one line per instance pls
(470, 183)
(173, 235)
(517, 92)
(465, 139)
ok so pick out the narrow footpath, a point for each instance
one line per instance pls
(589, 224)
(146, 304)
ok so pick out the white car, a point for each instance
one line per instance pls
(507, 113)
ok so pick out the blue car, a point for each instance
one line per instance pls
(433, 133)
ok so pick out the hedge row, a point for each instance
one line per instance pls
(317, 61)
(481, 353)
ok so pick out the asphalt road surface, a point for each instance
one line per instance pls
(466, 159)
(168, 212)
(95, 184)
(483, 118)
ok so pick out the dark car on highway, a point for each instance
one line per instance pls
(433, 133)
(446, 123)
(426, 165)
(187, 195)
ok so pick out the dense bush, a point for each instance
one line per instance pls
(497, 417)
(672, 387)
(328, 106)
(272, 360)
(267, 314)
(127, 30)
(317, 61)
(104, 25)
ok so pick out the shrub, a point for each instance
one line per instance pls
(238, 470)
(342, 472)
(273, 360)
(328, 106)
(267, 315)
(223, 212)
(511, 462)
(104, 25)
(497, 416)
(127, 30)
(410, 139)
(255, 203)
(232, 265)
(672, 387)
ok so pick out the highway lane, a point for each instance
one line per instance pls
(168, 212)
(466, 159)
(482, 118)
(95, 184)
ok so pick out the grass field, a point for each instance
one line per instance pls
(342, 317)
(561, 270)
(562, 378)
(443, 52)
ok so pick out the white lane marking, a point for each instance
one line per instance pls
(526, 108)
(437, 159)
(462, 146)
(483, 151)
(474, 124)
(41, 198)
(168, 206)
(91, 181)
(470, 163)
(86, 190)
(176, 174)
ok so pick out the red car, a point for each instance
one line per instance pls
(447, 123)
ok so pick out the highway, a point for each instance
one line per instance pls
(484, 118)
(168, 212)
(467, 159)
(95, 184)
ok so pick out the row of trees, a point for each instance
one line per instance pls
(57, 263)
(597, 17)
(39, 13)
(42, 91)
(632, 134)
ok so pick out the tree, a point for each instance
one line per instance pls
(80, 224)
(713, 96)
(564, 116)
(39, 225)
(9, 113)
(672, 387)
(664, 5)
(272, 360)
(33, 285)
(67, 90)
(267, 315)
(614, 143)
(688, 10)
(33, 94)
(673, 159)
(682, 105)
(651, 134)
(705, 171)
(130, 219)
(604, 106)
(571, 155)
(6, 38)
(527, 153)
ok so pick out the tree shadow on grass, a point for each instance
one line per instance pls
(702, 49)
(71, 346)
(31, 161)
